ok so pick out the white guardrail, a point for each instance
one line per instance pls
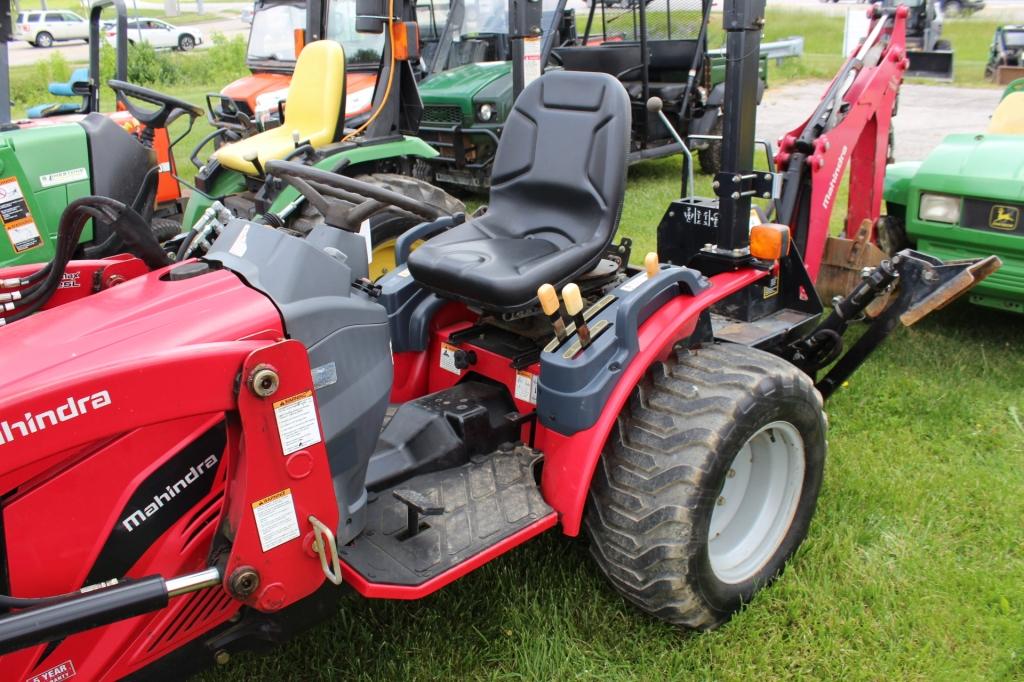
(777, 49)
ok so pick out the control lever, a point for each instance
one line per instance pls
(549, 303)
(574, 306)
(655, 106)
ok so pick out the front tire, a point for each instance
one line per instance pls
(44, 39)
(186, 43)
(708, 483)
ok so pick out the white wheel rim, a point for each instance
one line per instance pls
(757, 504)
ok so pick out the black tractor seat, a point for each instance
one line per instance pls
(557, 187)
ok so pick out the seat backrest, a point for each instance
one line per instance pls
(316, 95)
(560, 169)
(1008, 118)
(68, 87)
(674, 56)
(611, 58)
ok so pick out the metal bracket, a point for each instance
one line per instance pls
(759, 184)
(323, 543)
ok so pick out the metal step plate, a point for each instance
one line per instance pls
(759, 331)
(485, 501)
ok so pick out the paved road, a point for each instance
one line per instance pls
(21, 53)
(917, 129)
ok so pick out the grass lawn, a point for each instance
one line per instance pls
(913, 569)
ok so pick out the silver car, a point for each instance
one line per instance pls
(42, 29)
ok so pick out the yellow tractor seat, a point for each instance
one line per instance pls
(1008, 118)
(314, 110)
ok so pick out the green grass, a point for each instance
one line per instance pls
(913, 569)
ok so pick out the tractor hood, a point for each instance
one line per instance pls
(463, 83)
(261, 91)
(975, 165)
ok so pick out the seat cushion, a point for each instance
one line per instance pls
(668, 92)
(1008, 118)
(499, 270)
(315, 103)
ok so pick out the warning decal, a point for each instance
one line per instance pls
(17, 221)
(526, 387)
(297, 422)
(275, 519)
(448, 352)
(531, 59)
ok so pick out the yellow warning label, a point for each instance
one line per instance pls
(298, 424)
(18, 223)
(276, 522)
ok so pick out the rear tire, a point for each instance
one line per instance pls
(711, 156)
(44, 39)
(892, 235)
(186, 43)
(165, 228)
(387, 226)
(708, 483)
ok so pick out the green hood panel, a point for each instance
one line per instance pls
(898, 178)
(460, 85)
(990, 166)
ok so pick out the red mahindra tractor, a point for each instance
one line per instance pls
(194, 458)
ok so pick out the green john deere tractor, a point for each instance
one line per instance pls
(967, 198)
(655, 48)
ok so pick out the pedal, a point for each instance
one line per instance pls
(417, 505)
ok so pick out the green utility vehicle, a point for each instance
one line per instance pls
(657, 48)
(967, 198)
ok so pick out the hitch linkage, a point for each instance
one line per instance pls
(920, 284)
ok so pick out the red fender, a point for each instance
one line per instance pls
(570, 461)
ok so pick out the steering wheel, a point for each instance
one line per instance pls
(168, 108)
(350, 201)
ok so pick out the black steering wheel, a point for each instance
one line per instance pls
(168, 108)
(346, 202)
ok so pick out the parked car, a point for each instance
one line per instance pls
(961, 8)
(42, 29)
(159, 34)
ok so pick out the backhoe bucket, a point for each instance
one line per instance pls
(937, 64)
(842, 266)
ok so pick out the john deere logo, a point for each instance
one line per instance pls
(1004, 217)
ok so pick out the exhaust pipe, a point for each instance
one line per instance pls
(97, 607)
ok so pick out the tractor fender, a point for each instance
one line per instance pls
(898, 178)
(579, 398)
(407, 146)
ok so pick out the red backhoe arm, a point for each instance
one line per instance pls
(851, 127)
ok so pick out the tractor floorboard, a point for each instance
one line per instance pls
(759, 331)
(485, 501)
